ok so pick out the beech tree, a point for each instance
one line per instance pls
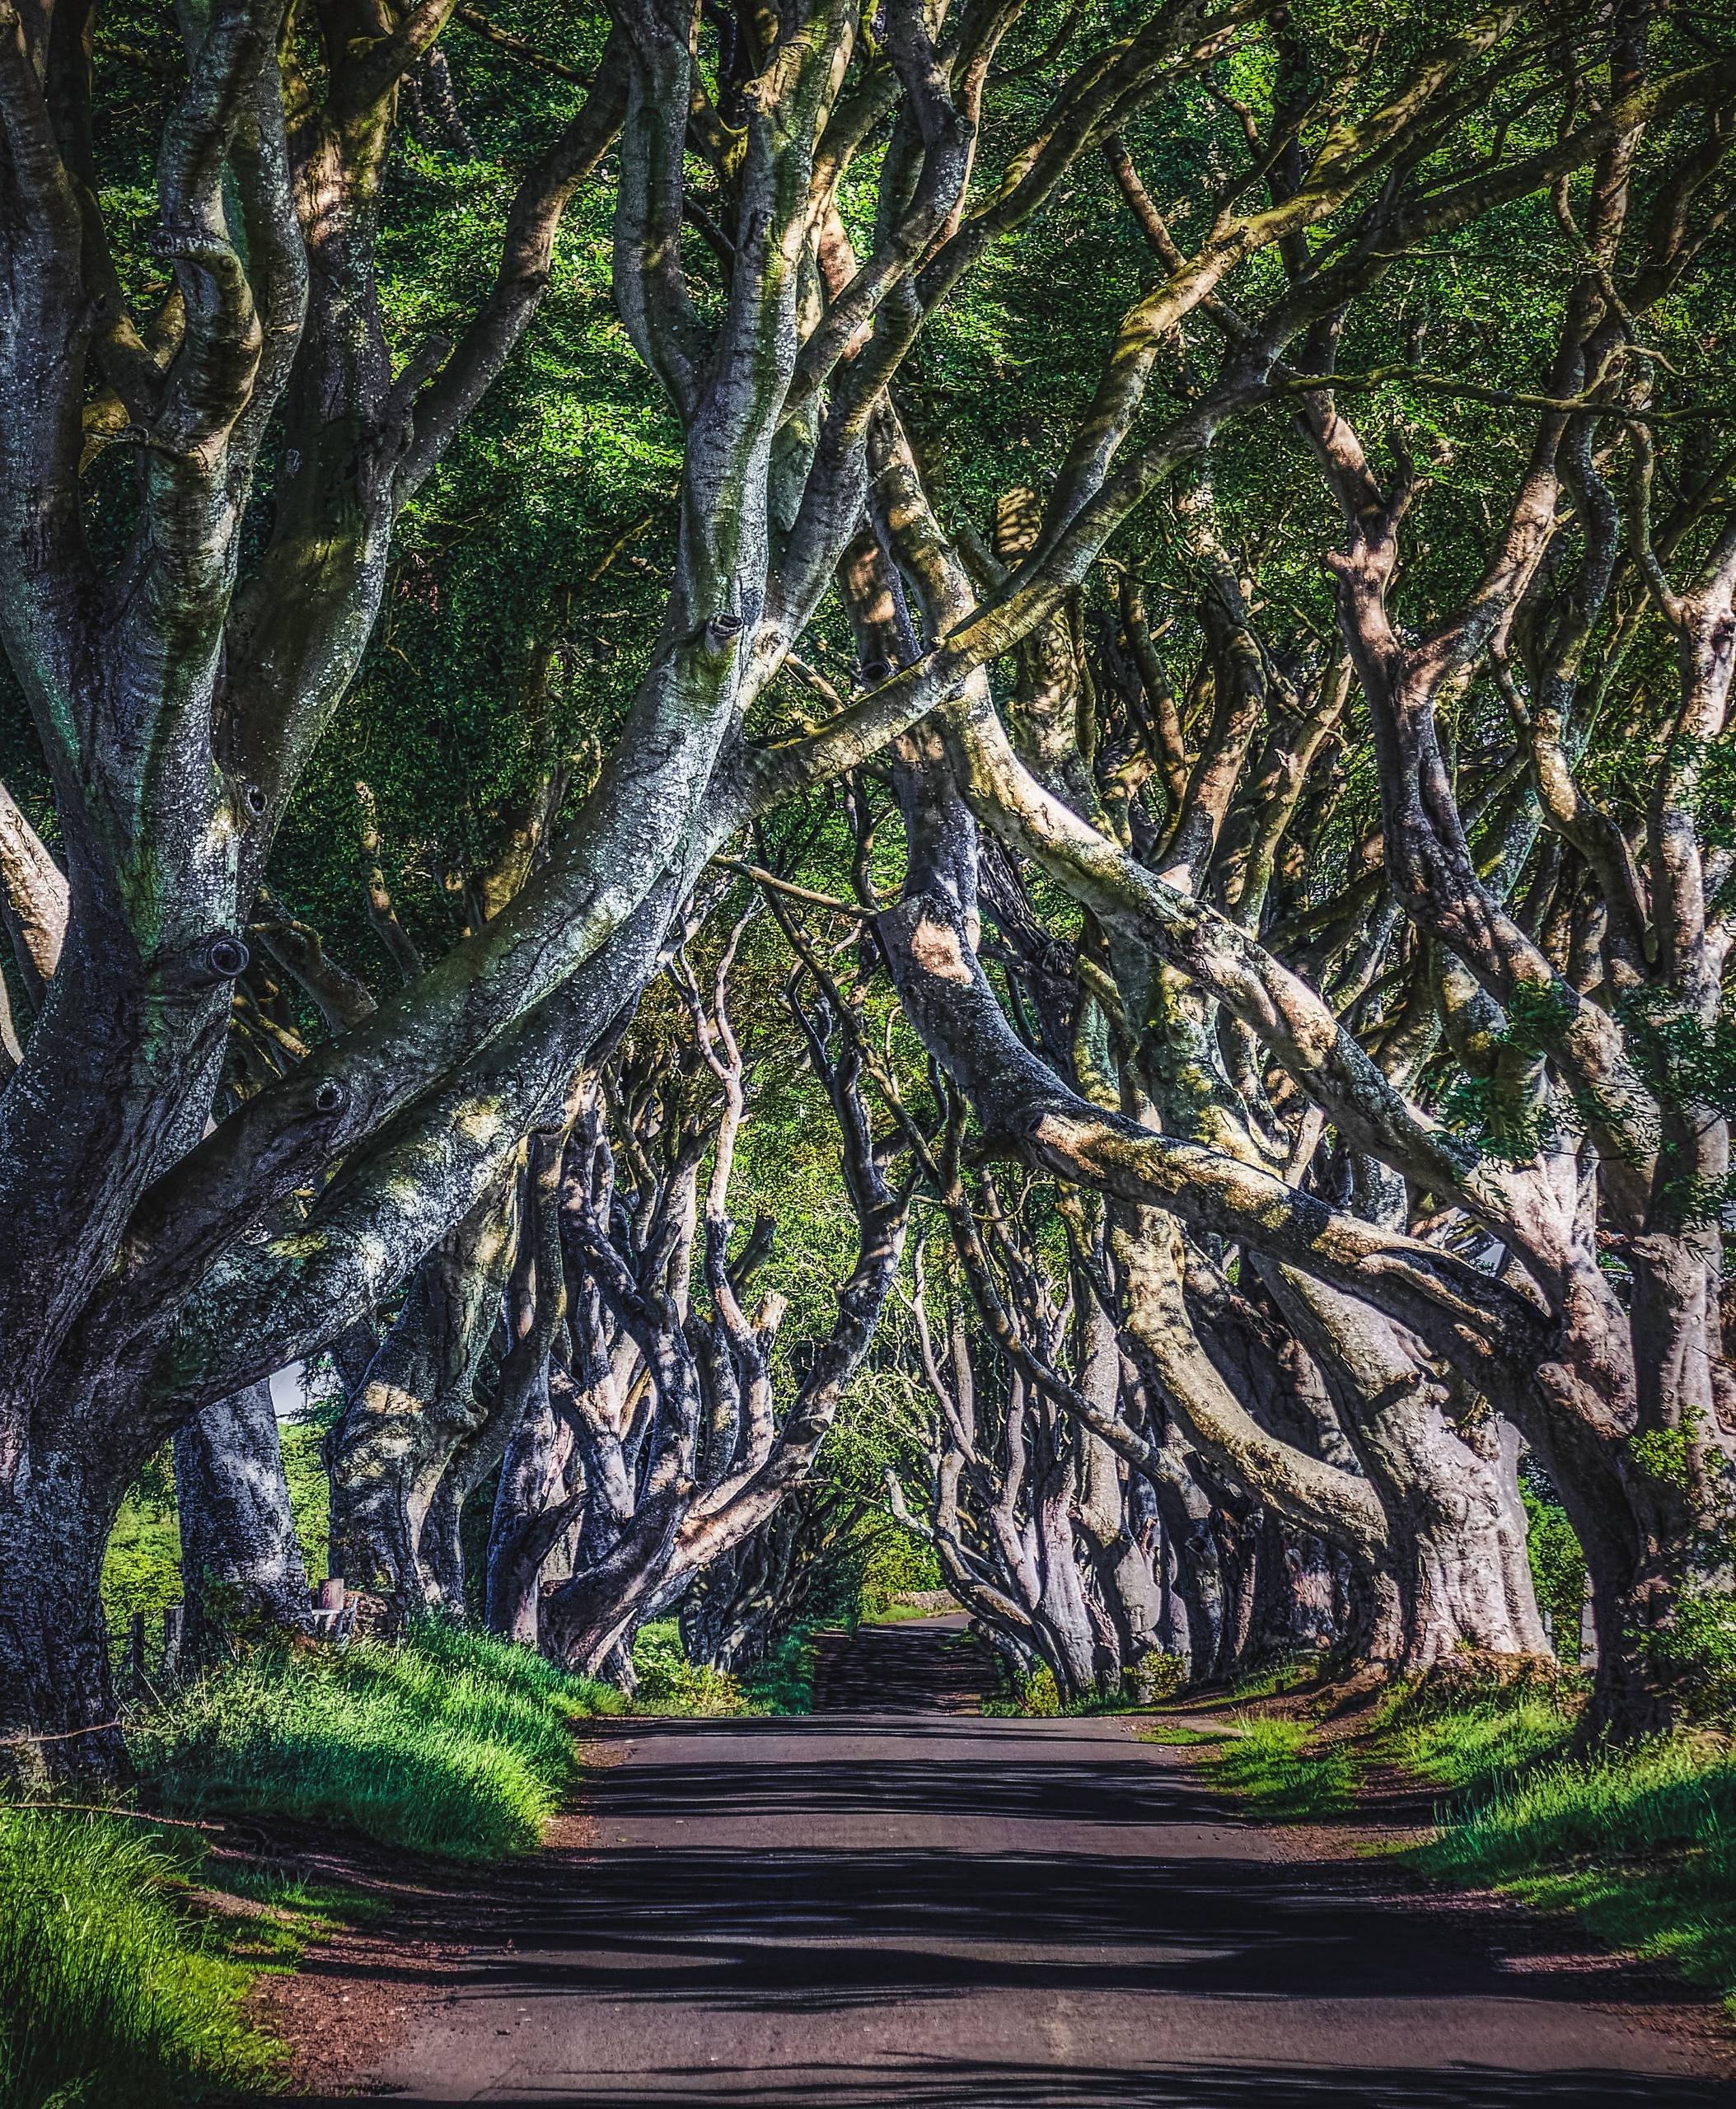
(201, 476)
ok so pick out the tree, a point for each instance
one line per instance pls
(183, 636)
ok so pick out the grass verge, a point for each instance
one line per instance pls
(1638, 1843)
(1175, 1734)
(112, 1988)
(1275, 1768)
(455, 1744)
(123, 1981)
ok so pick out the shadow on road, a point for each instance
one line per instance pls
(972, 2085)
(855, 1912)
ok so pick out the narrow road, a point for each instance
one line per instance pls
(924, 1908)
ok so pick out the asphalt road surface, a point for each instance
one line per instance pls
(927, 1908)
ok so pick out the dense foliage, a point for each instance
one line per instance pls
(813, 783)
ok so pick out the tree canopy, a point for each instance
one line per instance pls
(1012, 718)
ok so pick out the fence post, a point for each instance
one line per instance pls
(1588, 1632)
(136, 1650)
(175, 1625)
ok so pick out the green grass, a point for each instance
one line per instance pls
(881, 1610)
(111, 1989)
(1269, 1765)
(1641, 1845)
(456, 1744)
(1173, 1733)
(1277, 1678)
(1482, 1745)
(121, 1981)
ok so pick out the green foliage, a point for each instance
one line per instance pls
(1638, 1842)
(1683, 1062)
(1038, 1695)
(668, 1683)
(783, 1682)
(110, 1989)
(1156, 1677)
(1663, 1453)
(1281, 1773)
(1557, 1562)
(141, 1569)
(1277, 1678)
(310, 1491)
(896, 1564)
(456, 1743)
(1696, 1651)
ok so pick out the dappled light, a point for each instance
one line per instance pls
(867, 1051)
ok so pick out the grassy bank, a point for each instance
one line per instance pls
(1639, 1845)
(111, 1988)
(120, 1982)
(1279, 1767)
(455, 1743)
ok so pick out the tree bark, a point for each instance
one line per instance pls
(243, 1569)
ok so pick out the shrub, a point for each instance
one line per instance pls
(1156, 1677)
(110, 1991)
(1039, 1693)
(1696, 1651)
(668, 1683)
(784, 1682)
(455, 1743)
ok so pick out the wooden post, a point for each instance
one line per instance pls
(329, 1597)
(1588, 1632)
(175, 1625)
(136, 1651)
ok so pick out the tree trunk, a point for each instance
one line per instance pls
(1293, 1583)
(56, 1513)
(1639, 1532)
(534, 1505)
(387, 1455)
(1448, 1493)
(241, 1565)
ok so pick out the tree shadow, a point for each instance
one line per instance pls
(965, 2083)
(761, 1904)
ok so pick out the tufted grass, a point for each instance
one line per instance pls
(455, 1744)
(111, 1988)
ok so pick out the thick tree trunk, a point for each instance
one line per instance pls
(1196, 1616)
(1079, 1650)
(1639, 1535)
(1294, 1601)
(534, 1506)
(1448, 1493)
(600, 1605)
(56, 1513)
(387, 1455)
(242, 1565)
